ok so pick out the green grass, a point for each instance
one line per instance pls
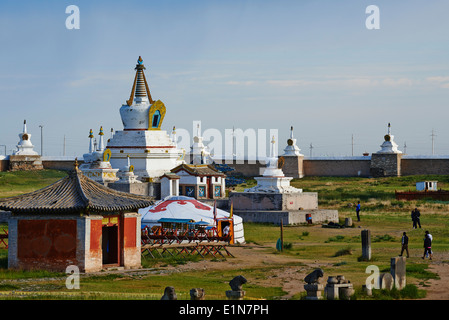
(337, 251)
(18, 182)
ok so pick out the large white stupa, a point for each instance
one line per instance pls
(150, 149)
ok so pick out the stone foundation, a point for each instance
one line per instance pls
(385, 165)
(25, 162)
(261, 201)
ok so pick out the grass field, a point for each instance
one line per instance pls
(336, 251)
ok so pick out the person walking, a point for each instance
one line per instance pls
(431, 240)
(404, 242)
(427, 247)
(416, 218)
(357, 210)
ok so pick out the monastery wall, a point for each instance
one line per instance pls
(315, 166)
(337, 167)
(60, 163)
(354, 166)
(424, 165)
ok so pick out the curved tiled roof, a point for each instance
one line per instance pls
(199, 169)
(74, 193)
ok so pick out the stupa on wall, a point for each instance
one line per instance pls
(387, 161)
(25, 158)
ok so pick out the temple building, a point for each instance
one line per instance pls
(74, 221)
(151, 150)
(200, 181)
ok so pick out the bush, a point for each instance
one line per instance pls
(343, 252)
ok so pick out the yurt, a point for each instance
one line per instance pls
(181, 207)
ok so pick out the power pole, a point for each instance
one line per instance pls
(63, 151)
(405, 147)
(433, 135)
(352, 144)
(311, 147)
(42, 140)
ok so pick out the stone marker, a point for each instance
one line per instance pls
(338, 288)
(236, 292)
(398, 271)
(348, 222)
(313, 286)
(169, 294)
(197, 294)
(366, 245)
(386, 281)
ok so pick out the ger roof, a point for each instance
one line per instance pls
(74, 193)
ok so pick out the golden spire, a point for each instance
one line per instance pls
(140, 86)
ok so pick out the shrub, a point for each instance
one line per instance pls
(343, 252)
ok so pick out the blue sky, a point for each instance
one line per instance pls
(243, 64)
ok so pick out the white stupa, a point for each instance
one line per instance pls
(292, 149)
(273, 179)
(126, 174)
(199, 152)
(389, 146)
(150, 149)
(25, 147)
(97, 164)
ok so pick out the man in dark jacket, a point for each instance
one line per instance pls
(427, 247)
(415, 218)
(404, 242)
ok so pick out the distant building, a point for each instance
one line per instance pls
(427, 186)
(196, 181)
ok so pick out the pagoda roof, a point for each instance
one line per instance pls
(198, 169)
(72, 194)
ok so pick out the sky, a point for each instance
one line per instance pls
(253, 65)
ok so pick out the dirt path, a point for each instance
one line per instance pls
(291, 277)
(438, 289)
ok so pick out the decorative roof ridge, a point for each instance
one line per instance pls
(75, 174)
(192, 168)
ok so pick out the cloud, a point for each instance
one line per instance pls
(242, 83)
(441, 81)
(344, 82)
